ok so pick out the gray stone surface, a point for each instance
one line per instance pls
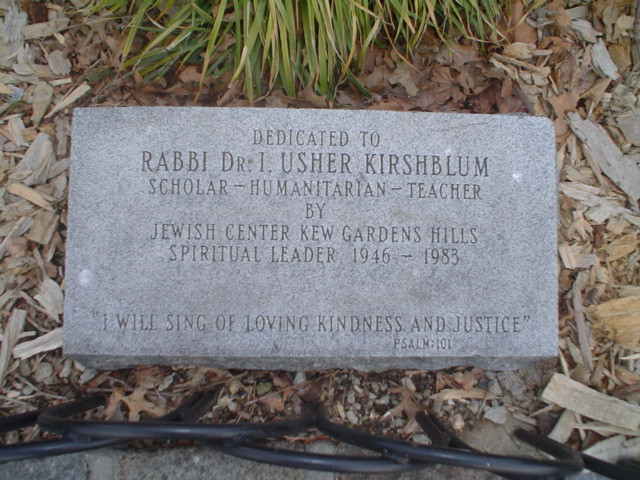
(61, 467)
(197, 463)
(284, 238)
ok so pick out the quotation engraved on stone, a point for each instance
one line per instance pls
(297, 239)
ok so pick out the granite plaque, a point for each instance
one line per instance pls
(300, 239)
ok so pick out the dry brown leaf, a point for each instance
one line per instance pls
(406, 406)
(113, 403)
(190, 74)
(457, 54)
(403, 75)
(280, 382)
(619, 319)
(597, 91)
(565, 102)
(275, 404)
(344, 98)
(466, 380)
(523, 32)
(136, 402)
(233, 90)
(377, 80)
(51, 298)
(312, 97)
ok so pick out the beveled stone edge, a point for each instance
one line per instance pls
(293, 364)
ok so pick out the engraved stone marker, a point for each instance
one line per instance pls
(297, 239)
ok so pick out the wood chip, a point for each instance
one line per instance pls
(34, 196)
(58, 167)
(621, 169)
(16, 127)
(628, 290)
(619, 319)
(615, 449)
(563, 427)
(585, 30)
(14, 22)
(621, 247)
(73, 96)
(605, 429)
(544, 71)
(48, 341)
(4, 90)
(45, 29)
(18, 229)
(43, 228)
(13, 329)
(41, 99)
(59, 64)
(461, 393)
(34, 167)
(524, 51)
(574, 257)
(602, 208)
(584, 338)
(630, 126)
(581, 399)
(67, 81)
(602, 60)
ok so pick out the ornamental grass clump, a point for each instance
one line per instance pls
(288, 43)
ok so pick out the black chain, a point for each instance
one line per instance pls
(239, 440)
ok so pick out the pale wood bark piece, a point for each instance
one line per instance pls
(581, 399)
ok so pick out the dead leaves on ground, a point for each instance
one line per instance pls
(452, 78)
